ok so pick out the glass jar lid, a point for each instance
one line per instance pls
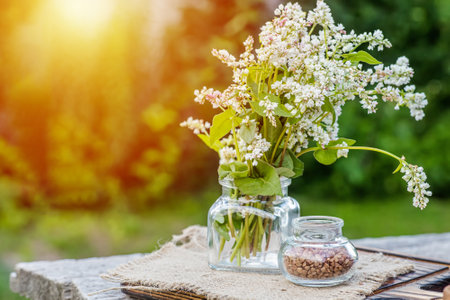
(317, 228)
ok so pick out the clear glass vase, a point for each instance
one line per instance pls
(245, 232)
(317, 254)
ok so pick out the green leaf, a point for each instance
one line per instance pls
(329, 156)
(325, 156)
(282, 171)
(221, 125)
(327, 106)
(217, 144)
(258, 108)
(257, 73)
(340, 141)
(266, 185)
(287, 161)
(222, 230)
(273, 132)
(282, 111)
(257, 89)
(237, 219)
(219, 218)
(298, 165)
(361, 56)
(247, 132)
(234, 169)
(253, 85)
(205, 139)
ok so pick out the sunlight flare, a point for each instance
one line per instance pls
(86, 15)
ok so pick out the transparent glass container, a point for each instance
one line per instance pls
(317, 254)
(245, 232)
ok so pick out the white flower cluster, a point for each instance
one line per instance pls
(305, 70)
(416, 179)
(197, 125)
(269, 107)
(315, 70)
(255, 150)
(235, 96)
(227, 155)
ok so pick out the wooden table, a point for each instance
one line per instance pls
(74, 279)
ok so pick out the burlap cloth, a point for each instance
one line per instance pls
(183, 264)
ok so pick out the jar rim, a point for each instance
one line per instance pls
(317, 222)
(229, 183)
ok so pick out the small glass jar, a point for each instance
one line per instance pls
(245, 232)
(317, 254)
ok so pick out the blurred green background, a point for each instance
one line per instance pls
(93, 162)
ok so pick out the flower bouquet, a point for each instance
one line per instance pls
(285, 101)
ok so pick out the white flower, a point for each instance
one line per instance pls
(321, 14)
(416, 180)
(342, 152)
(269, 108)
(224, 57)
(197, 125)
(227, 155)
(255, 150)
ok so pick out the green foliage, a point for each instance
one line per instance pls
(361, 56)
(297, 165)
(266, 184)
(328, 107)
(234, 170)
(328, 156)
(420, 31)
(247, 132)
(222, 229)
(222, 124)
(207, 140)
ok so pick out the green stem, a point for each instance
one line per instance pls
(236, 146)
(269, 80)
(238, 258)
(238, 245)
(312, 29)
(250, 168)
(352, 148)
(255, 239)
(247, 241)
(269, 233)
(230, 223)
(278, 143)
(222, 244)
(265, 127)
(285, 145)
(261, 231)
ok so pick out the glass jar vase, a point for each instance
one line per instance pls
(317, 254)
(245, 232)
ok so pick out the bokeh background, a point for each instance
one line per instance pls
(93, 162)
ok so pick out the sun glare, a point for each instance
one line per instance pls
(86, 15)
